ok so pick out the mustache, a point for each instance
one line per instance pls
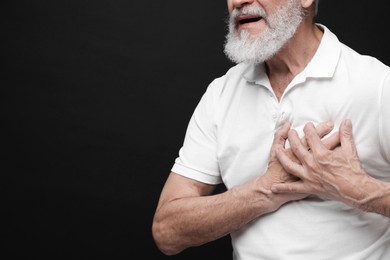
(247, 10)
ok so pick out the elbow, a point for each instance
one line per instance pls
(164, 240)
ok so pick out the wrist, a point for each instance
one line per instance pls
(271, 201)
(376, 198)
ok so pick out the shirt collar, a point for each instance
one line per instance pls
(322, 65)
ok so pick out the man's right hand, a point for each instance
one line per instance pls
(277, 174)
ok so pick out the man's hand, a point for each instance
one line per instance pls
(334, 174)
(276, 173)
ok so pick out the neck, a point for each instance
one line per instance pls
(293, 57)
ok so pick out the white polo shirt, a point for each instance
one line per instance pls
(230, 134)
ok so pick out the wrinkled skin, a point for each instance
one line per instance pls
(334, 174)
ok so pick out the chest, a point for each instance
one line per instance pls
(247, 131)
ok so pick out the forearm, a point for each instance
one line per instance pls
(193, 221)
(377, 197)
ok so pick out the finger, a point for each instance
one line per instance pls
(297, 147)
(332, 141)
(291, 187)
(291, 166)
(280, 137)
(313, 140)
(322, 130)
(346, 136)
(281, 134)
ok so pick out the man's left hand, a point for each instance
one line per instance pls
(334, 174)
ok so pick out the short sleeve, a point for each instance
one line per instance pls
(384, 125)
(197, 157)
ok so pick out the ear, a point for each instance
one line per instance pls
(306, 3)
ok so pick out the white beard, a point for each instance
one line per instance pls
(281, 26)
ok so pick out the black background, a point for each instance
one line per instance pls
(95, 99)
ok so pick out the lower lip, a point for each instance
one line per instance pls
(249, 25)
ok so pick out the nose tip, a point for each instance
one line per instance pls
(241, 3)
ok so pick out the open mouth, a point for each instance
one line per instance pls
(245, 19)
